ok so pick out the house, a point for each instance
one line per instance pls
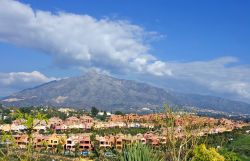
(128, 139)
(18, 121)
(163, 140)
(116, 118)
(72, 120)
(40, 122)
(133, 125)
(115, 124)
(14, 128)
(55, 121)
(99, 125)
(154, 141)
(66, 110)
(61, 127)
(5, 127)
(140, 138)
(118, 142)
(85, 143)
(85, 126)
(86, 119)
(71, 142)
(54, 139)
(105, 142)
(17, 128)
(21, 140)
(39, 128)
(39, 141)
(143, 140)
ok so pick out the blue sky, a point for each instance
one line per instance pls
(193, 30)
(189, 46)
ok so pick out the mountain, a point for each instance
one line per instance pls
(108, 93)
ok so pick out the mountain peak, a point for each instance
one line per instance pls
(109, 93)
(96, 76)
(92, 72)
(95, 73)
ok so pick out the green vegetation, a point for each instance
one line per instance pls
(140, 152)
(8, 151)
(5, 112)
(118, 113)
(241, 146)
(234, 144)
(201, 153)
(229, 156)
(94, 111)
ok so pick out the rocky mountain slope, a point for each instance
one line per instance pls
(108, 93)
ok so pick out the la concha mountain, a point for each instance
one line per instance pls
(109, 93)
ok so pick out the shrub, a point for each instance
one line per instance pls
(201, 153)
(140, 152)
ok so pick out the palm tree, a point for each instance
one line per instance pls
(77, 148)
(59, 148)
(62, 142)
(45, 145)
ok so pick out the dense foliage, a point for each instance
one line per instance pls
(201, 153)
(140, 152)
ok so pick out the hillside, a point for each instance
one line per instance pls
(108, 93)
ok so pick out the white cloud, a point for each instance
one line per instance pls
(110, 46)
(21, 80)
(159, 68)
(78, 40)
(221, 75)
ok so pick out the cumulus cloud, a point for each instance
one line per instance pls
(21, 80)
(221, 75)
(78, 40)
(159, 68)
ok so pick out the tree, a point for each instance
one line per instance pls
(118, 113)
(201, 153)
(9, 144)
(62, 142)
(28, 120)
(177, 148)
(30, 124)
(26, 109)
(45, 145)
(59, 148)
(8, 120)
(94, 111)
(77, 149)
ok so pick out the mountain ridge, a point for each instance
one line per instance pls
(109, 93)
